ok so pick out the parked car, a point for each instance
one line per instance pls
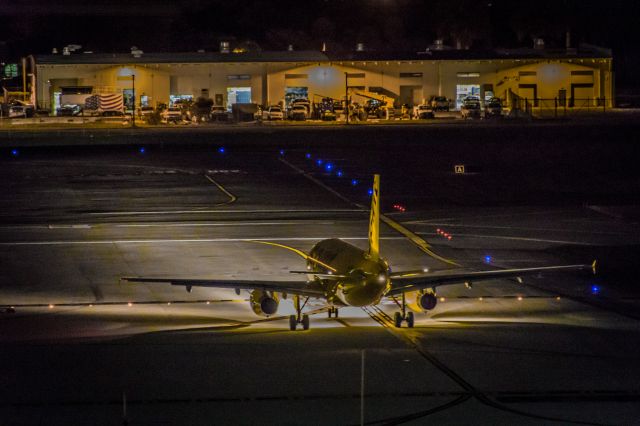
(21, 111)
(298, 113)
(113, 113)
(273, 113)
(69, 110)
(172, 115)
(423, 112)
(439, 103)
(145, 111)
(471, 107)
(493, 108)
(219, 113)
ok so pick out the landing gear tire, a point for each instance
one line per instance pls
(293, 322)
(305, 322)
(333, 311)
(410, 319)
(397, 319)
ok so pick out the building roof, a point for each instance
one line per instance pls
(584, 51)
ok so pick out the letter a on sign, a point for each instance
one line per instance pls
(459, 168)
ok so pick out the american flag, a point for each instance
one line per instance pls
(105, 102)
(111, 102)
(92, 102)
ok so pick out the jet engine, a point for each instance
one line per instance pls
(426, 301)
(263, 303)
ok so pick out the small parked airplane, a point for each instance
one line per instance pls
(345, 275)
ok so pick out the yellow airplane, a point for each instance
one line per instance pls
(345, 275)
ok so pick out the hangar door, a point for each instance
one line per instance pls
(581, 95)
(529, 92)
(410, 95)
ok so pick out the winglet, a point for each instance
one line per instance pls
(593, 266)
(374, 220)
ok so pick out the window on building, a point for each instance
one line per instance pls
(239, 77)
(410, 75)
(468, 74)
(293, 76)
(584, 73)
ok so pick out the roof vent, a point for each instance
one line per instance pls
(224, 47)
(360, 47)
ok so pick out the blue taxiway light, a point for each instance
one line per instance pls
(282, 152)
(339, 173)
(370, 192)
(142, 150)
(354, 182)
(487, 259)
(308, 155)
(221, 150)
(595, 289)
(15, 152)
(319, 162)
(329, 166)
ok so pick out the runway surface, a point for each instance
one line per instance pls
(84, 348)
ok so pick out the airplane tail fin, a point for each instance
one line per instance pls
(374, 220)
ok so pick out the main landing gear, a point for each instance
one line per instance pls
(332, 311)
(299, 318)
(399, 317)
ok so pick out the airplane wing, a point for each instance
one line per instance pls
(301, 288)
(402, 282)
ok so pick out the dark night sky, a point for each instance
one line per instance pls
(36, 26)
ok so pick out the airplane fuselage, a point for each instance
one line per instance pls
(367, 278)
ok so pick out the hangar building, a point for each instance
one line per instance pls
(575, 77)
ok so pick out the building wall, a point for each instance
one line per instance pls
(403, 80)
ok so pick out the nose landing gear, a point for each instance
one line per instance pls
(332, 311)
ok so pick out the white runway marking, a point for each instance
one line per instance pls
(190, 240)
(222, 211)
(170, 225)
(519, 228)
(539, 240)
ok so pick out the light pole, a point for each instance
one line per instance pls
(346, 96)
(133, 111)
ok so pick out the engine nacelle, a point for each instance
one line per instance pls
(263, 303)
(427, 301)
